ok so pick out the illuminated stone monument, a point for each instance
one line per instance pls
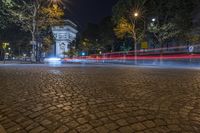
(63, 36)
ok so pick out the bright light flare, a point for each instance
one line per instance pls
(136, 14)
(165, 57)
(174, 54)
(53, 60)
(153, 20)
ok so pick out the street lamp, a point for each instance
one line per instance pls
(153, 19)
(136, 14)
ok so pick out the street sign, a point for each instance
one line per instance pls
(144, 45)
(191, 49)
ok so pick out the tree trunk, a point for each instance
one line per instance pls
(1, 58)
(33, 33)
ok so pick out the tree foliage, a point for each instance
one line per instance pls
(97, 37)
(163, 32)
(35, 17)
(132, 23)
(31, 15)
(123, 28)
(3, 18)
(49, 16)
(106, 34)
(46, 41)
(172, 16)
(72, 49)
(123, 8)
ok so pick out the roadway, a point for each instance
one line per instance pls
(99, 99)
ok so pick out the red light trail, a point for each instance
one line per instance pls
(171, 53)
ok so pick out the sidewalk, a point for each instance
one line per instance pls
(15, 62)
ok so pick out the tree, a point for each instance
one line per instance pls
(2, 26)
(89, 38)
(2, 17)
(193, 36)
(123, 8)
(33, 16)
(163, 32)
(124, 28)
(18, 39)
(5, 48)
(4, 22)
(46, 41)
(73, 51)
(106, 37)
(120, 10)
(97, 38)
(85, 45)
(166, 12)
(174, 12)
(130, 22)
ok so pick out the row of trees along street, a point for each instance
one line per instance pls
(161, 22)
(34, 19)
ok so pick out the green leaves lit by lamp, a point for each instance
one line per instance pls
(5, 45)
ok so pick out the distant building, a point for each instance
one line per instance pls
(63, 35)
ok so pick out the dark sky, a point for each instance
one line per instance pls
(84, 11)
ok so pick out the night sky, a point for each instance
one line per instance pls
(84, 11)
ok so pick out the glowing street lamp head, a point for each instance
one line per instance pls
(153, 20)
(83, 53)
(136, 14)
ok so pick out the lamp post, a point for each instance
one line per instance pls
(136, 14)
(9, 51)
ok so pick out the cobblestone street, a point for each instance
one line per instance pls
(99, 99)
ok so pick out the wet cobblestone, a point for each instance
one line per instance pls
(99, 99)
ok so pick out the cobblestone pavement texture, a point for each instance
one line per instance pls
(99, 99)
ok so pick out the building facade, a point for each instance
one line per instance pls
(63, 36)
